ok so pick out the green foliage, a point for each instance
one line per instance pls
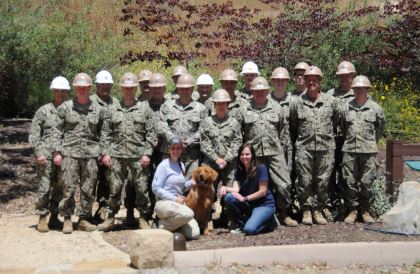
(400, 101)
(381, 203)
(36, 45)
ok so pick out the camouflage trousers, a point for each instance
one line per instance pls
(336, 178)
(116, 176)
(82, 171)
(313, 174)
(359, 172)
(279, 180)
(50, 191)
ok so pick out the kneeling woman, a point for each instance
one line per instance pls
(168, 186)
(249, 202)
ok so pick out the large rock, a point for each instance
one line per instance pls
(404, 216)
(151, 248)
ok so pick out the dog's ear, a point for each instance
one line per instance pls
(212, 174)
(195, 174)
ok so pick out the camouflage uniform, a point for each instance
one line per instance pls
(127, 135)
(337, 174)
(102, 189)
(183, 121)
(76, 136)
(262, 128)
(221, 139)
(362, 127)
(235, 106)
(245, 94)
(40, 137)
(295, 93)
(312, 129)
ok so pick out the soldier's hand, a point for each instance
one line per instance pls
(58, 159)
(180, 199)
(221, 163)
(42, 161)
(107, 161)
(145, 161)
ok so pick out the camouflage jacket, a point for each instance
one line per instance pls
(42, 129)
(285, 134)
(220, 138)
(95, 99)
(362, 126)
(245, 94)
(263, 127)
(343, 97)
(312, 123)
(128, 132)
(77, 132)
(294, 93)
(182, 121)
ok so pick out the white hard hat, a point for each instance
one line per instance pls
(60, 82)
(250, 67)
(104, 77)
(205, 79)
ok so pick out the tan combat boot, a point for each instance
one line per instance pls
(54, 222)
(85, 225)
(367, 218)
(288, 221)
(319, 219)
(107, 225)
(351, 218)
(68, 225)
(42, 224)
(307, 218)
(143, 224)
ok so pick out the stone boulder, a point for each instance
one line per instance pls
(151, 248)
(404, 216)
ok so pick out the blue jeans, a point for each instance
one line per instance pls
(252, 220)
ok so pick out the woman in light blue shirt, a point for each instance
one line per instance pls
(168, 185)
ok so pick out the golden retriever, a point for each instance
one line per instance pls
(201, 195)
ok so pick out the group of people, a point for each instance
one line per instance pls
(272, 150)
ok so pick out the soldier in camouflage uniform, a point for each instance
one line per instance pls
(249, 72)
(76, 138)
(127, 142)
(220, 139)
(362, 122)
(313, 118)
(205, 87)
(178, 71)
(102, 98)
(263, 121)
(40, 137)
(300, 87)
(346, 73)
(144, 78)
(182, 117)
(228, 80)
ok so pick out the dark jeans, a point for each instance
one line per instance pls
(252, 220)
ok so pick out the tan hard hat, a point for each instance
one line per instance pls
(361, 81)
(82, 80)
(280, 73)
(313, 70)
(259, 83)
(179, 70)
(221, 95)
(185, 81)
(301, 66)
(228, 75)
(145, 75)
(129, 80)
(345, 67)
(157, 80)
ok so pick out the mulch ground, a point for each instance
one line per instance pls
(18, 193)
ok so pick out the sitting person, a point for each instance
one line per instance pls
(168, 186)
(249, 203)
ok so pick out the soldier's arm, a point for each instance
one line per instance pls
(336, 113)
(151, 135)
(35, 133)
(293, 125)
(105, 136)
(206, 145)
(380, 124)
(195, 138)
(235, 143)
(163, 123)
(58, 130)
